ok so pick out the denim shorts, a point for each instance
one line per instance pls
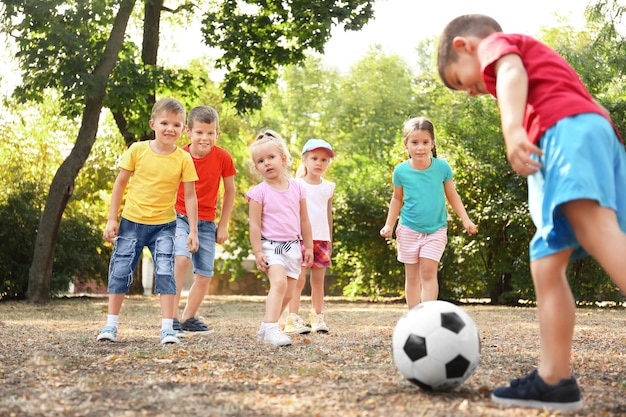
(582, 159)
(131, 239)
(204, 259)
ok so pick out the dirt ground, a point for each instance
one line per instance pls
(51, 365)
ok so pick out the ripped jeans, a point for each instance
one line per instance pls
(129, 243)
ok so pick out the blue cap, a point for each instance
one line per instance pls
(312, 144)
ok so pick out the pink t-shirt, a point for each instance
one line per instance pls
(554, 89)
(280, 220)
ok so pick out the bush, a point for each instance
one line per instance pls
(80, 251)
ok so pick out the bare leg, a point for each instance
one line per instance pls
(412, 285)
(598, 232)
(294, 304)
(556, 310)
(275, 296)
(167, 305)
(428, 273)
(317, 289)
(115, 303)
(181, 266)
(291, 287)
(198, 290)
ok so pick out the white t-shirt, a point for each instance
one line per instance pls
(317, 196)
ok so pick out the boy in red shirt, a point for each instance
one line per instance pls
(212, 164)
(559, 137)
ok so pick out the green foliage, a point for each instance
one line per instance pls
(19, 219)
(360, 113)
(272, 33)
(58, 40)
(364, 262)
(80, 254)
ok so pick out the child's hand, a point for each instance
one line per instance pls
(470, 227)
(308, 257)
(110, 231)
(221, 235)
(518, 152)
(193, 243)
(261, 262)
(386, 232)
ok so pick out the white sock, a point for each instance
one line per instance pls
(113, 320)
(167, 324)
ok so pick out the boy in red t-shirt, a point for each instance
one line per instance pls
(559, 137)
(212, 164)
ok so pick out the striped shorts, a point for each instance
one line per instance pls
(414, 245)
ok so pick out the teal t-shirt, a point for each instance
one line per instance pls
(424, 206)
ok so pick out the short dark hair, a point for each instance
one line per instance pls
(478, 25)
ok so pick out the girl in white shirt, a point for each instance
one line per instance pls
(316, 157)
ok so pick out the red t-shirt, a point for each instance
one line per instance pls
(211, 169)
(554, 89)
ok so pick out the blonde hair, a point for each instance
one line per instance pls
(168, 105)
(271, 136)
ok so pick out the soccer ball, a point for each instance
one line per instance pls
(436, 345)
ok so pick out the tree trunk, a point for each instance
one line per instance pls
(62, 185)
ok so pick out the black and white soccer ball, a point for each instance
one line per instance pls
(436, 345)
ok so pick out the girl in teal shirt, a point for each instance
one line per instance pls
(421, 186)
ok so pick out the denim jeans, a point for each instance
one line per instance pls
(131, 239)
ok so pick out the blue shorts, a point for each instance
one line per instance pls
(582, 159)
(204, 259)
(129, 243)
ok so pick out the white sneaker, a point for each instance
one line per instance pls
(273, 336)
(295, 324)
(317, 322)
(169, 336)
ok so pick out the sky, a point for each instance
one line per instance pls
(399, 25)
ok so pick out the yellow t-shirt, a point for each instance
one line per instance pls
(151, 192)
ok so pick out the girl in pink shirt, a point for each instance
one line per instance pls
(278, 221)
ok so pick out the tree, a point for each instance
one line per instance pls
(62, 185)
(59, 39)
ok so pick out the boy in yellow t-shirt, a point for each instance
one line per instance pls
(152, 171)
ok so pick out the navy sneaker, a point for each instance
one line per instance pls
(194, 325)
(531, 391)
(178, 328)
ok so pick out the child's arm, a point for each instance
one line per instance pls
(394, 211)
(191, 206)
(307, 234)
(457, 205)
(512, 91)
(228, 201)
(112, 226)
(330, 222)
(254, 221)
